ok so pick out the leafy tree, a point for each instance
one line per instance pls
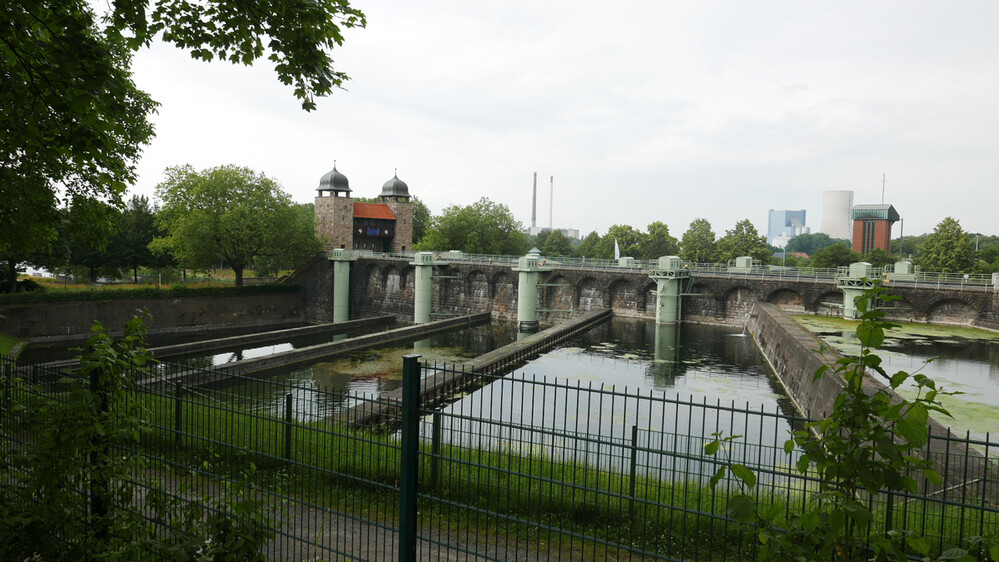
(813, 242)
(541, 238)
(483, 227)
(910, 246)
(879, 258)
(835, 256)
(230, 213)
(299, 225)
(89, 224)
(659, 242)
(698, 243)
(556, 244)
(629, 240)
(74, 121)
(129, 247)
(421, 219)
(948, 249)
(743, 240)
(588, 247)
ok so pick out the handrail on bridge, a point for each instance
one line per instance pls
(959, 281)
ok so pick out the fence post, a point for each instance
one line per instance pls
(634, 462)
(178, 413)
(98, 459)
(435, 451)
(409, 458)
(287, 426)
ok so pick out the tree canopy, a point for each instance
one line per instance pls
(813, 242)
(698, 243)
(588, 247)
(483, 227)
(556, 244)
(630, 242)
(834, 256)
(948, 249)
(659, 242)
(234, 214)
(743, 240)
(73, 119)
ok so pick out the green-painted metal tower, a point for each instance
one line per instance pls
(669, 274)
(341, 259)
(423, 288)
(528, 269)
(853, 281)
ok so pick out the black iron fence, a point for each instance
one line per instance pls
(519, 469)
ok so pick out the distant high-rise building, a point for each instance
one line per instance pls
(872, 227)
(836, 219)
(785, 225)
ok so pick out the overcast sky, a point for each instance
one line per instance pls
(642, 111)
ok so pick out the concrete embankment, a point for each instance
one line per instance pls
(440, 386)
(795, 354)
(278, 361)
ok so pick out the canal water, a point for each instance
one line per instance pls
(959, 359)
(628, 393)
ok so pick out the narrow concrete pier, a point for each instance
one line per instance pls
(264, 365)
(442, 385)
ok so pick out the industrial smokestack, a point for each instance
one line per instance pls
(551, 200)
(534, 204)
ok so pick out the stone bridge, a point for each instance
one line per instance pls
(385, 286)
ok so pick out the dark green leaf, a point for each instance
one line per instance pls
(742, 508)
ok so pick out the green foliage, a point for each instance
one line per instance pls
(659, 242)
(556, 244)
(421, 219)
(949, 249)
(231, 213)
(835, 256)
(879, 258)
(630, 241)
(86, 441)
(870, 443)
(74, 122)
(743, 240)
(129, 246)
(483, 227)
(588, 247)
(150, 292)
(698, 243)
(813, 242)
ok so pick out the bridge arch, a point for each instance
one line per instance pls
(392, 279)
(503, 291)
(406, 279)
(739, 301)
(647, 298)
(558, 294)
(787, 299)
(477, 290)
(373, 275)
(824, 303)
(590, 295)
(950, 311)
(623, 295)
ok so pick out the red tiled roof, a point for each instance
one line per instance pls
(372, 211)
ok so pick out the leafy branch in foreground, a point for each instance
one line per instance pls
(69, 491)
(868, 445)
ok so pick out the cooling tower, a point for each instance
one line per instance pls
(836, 206)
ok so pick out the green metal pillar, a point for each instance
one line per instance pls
(668, 275)
(527, 291)
(341, 259)
(423, 288)
(853, 281)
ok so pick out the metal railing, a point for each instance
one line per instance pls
(917, 279)
(523, 467)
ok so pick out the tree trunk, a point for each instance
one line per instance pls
(93, 275)
(238, 270)
(135, 275)
(12, 276)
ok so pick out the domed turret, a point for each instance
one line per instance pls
(394, 189)
(335, 182)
